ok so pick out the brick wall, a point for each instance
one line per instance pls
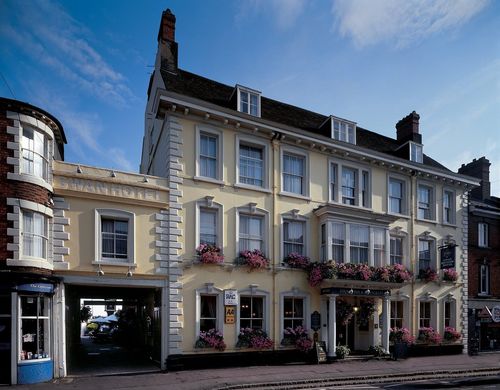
(13, 189)
(477, 254)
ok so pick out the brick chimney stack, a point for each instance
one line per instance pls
(479, 168)
(166, 42)
(407, 129)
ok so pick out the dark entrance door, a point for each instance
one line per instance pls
(121, 342)
(345, 334)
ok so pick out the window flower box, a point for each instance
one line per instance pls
(254, 338)
(428, 336)
(297, 337)
(211, 339)
(450, 275)
(295, 260)
(209, 254)
(451, 335)
(427, 275)
(254, 259)
(319, 271)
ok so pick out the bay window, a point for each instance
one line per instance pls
(359, 243)
(379, 251)
(34, 234)
(35, 154)
(349, 185)
(338, 241)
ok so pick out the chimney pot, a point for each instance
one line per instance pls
(167, 26)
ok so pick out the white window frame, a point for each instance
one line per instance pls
(294, 216)
(349, 137)
(241, 89)
(433, 302)
(433, 251)
(209, 204)
(402, 314)
(203, 129)
(253, 210)
(483, 235)
(405, 198)
(289, 150)
(45, 157)
(419, 152)
(450, 299)
(253, 291)
(402, 238)
(295, 293)
(45, 237)
(209, 289)
(484, 290)
(453, 207)
(347, 240)
(432, 201)
(335, 190)
(128, 216)
(257, 143)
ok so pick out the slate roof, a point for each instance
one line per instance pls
(195, 86)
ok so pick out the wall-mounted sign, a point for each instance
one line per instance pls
(229, 316)
(36, 287)
(315, 321)
(495, 313)
(231, 297)
(448, 256)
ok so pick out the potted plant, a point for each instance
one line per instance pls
(296, 260)
(254, 338)
(342, 351)
(451, 334)
(211, 339)
(450, 275)
(377, 350)
(254, 259)
(209, 254)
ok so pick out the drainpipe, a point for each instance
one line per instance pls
(412, 248)
(275, 253)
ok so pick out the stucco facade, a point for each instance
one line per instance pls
(178, 116)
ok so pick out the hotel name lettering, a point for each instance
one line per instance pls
(108, 189)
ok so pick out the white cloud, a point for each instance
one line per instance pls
(284, 12)
(401, 22)
(48, 34)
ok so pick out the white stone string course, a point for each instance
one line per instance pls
(465, 269)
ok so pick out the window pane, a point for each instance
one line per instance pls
(208, 306)
(359, 236)
(293, 237)
(245, 307)
(253, 104)
(29, 306)
(338, 237)
(251, 165)
(293, 173)
(348, 186)
(208, 227)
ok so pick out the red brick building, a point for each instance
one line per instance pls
(484, 258)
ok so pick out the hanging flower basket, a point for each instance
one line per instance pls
(254, 259)
(209, 254)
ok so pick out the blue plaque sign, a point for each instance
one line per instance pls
(36, 287)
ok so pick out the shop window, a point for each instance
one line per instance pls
(252, 312)
(35, 329)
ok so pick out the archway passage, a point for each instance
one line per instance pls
(122, 332)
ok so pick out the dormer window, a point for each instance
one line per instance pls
(416, 153)
(248, 101)
(340, 129)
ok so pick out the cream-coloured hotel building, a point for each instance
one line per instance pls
(245, 171)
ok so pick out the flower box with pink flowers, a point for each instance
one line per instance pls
(209, 254)
(450, 275)
(254, 259)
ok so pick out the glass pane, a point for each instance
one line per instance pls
(288, 307)
(255, 227)
(298, 307)
(208, 306)
(121, 247)
(29, 306)
(206, 324)
(44, 307)
(245, 307)
(288, 324)
(29, 340)
(258, 308)
(107, 225)
(121, 227)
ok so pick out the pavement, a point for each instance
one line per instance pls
(296, 376)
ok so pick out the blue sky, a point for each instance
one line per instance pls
(373, 62)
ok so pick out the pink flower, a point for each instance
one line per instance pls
(209, 254)
(450, 275)
(254, 259)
